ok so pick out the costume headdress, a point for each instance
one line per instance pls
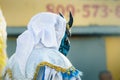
(45, 30)
(65, 44)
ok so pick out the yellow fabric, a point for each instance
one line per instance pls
(2, 43)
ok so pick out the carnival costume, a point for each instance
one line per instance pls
(38, 54)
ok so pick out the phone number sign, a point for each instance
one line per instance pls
(90, 13)
(85, 12)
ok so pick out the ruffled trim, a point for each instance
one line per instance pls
(70, 71)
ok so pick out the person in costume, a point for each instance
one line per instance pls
(41, 49)
(2, 43)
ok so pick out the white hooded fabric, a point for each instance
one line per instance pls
(45, 29)
(39, 43)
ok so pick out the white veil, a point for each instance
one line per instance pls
(46, 29)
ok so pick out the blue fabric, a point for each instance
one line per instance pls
(75, 73)
(41, 74)
(65, 76)
(65, 45)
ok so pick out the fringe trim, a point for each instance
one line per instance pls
(42, 64)
(9, 72)
(57, 68)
